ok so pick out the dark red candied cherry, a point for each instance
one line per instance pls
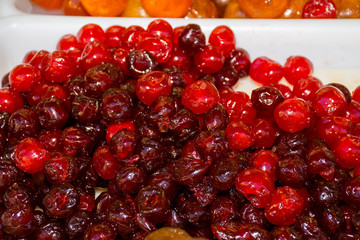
(324, 194)
(176, 76)
(10, 100)
(296, 68)
(38, 57)
(211, 144)
(85, 109)
(132, 36)
(53, 229)
(265, 133)
(265, 71)
(152, 154)
(100, 230)
(192, 39)
(68, 42)
(192, 211)
(30, 155)
(189, 150)
(76, 142)
(216, 118)
(227, 76)
(164, 178)
(18, 195)
(284, 89)
(285, 206)
(265, 99)
(94, 54)
(343, 89)
(189, 171)
(265, 160)
(23, 123)
(184, 126)
(152, 203)
(333, 128)
(116, 105)
(130, 179)
(86, 203)
(58, 66)
(159, 47)
(102, 77)
(331, 220)
(238, 230)
(251, 215)
(285, 233)
(320, 160)
(10, 174)
(239, 135)
(122, 216)
(76, 224)
(349, 191)
(178, 58)
(18, 221)
(122, 144)
(119, 59)
(223, 38)
(104, 163)
(200, 96)
(355, 221)
(347, 151)
(95, 131)
(23, 77)
(222, 209)
(352, 111)
(292, 115)
(61, 201)
(309, 228)
(88, 33)
(60, 168)
(75, 87)
(256, 185)
(113, 128)
(161, 112)
(346, 236)
(139, 62)
(45, 90)
(239, 60)
(113, 36)
(327, 101)
(204, 192)
(291, 172)
(222, 173)
(209, 60)
(319, 9)
(53, 113)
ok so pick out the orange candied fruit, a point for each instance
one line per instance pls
(264, 8)
(104, 8)
(49, 5)
(167, 8)
(74, 8)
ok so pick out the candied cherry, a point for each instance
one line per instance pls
(240, 135)
(327, 101)
(349, 191)
(140, 62)
(113, 128)
(292, 115)
(116, 105)
(10, 100)
(352, 112)
(67, 43)
(160, 28)
(53, 113)
(265, 133)
(18, 221)
(227, 76)
(10, 173)
(23, 77)
(200, 96)
(58, 66)
(296, 68)
(265, 160)
(152, 154)
(113, 36)
(216, 118)
(238, 230)
(132, 36)
(159, 47)
(130, 179)
(265, 99)
(265, 71)
(189, 171)
(223, 38)
(38, 57)
(23, 123)
(209, 59)
(211, 144)
(306, 88)
(119, 59)
(60, 168)
(333, 128)
(85, 109)
(76, 141)
(319, 9)
(284, 89)
(250, 214)
(347, 151)
(321, 160)
(291, 172)
(100, 230)
(256, 185)
(324, 194)
(343, 89)
(94, 54)
(88, 33)
(285, 233)
(192, 39)
(122, 144)
(30, 155)
(105, 163)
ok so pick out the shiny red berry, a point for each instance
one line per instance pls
(23, 77)
(266, 71)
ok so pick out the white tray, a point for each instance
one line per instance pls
(332, 45)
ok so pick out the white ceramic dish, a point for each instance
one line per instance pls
(332, 45)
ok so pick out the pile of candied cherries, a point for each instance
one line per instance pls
(121, 132)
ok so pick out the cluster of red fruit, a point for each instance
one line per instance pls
(150, 115)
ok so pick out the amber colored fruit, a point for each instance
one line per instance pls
(134, 9)
(202, 9)
(104, 8)
(49, 5)
(295, 9)
(233, 10)
(170, 233)
(167, 8)
(348, 8)
(264, 8)
(73, 8)
(221, 6)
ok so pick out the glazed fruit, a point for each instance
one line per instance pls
(128, 141)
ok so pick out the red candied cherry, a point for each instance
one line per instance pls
(256, 185)
(10, 100)
(320, 160)
(209, 59)
(352, 112)
(223, 38)
(356, 94)
(28, 56)
(122, 144)
(60, 168)
(130, 179)
(76, 141)
(240, 136)
(292, 115)
(178, 58)
(192, 39)
(113, 128)
(327, 101)
(51, 140)
(333, 128)
(94, 54)
(37, 59)
(88, 33)
(104, 163)
(152, 85)
(23, 77)
(177, 32)
(119, 59)
(349, 191)
(54, 90)
(285, 233)
(319, 9)
(18, 221)
(68, 43)
(86, 203)
(225, 92)
(305, 88)
(160, 47)
(286, 204)
(113, 36)
(265, 133)
(160, 28)
(347, 151)
(265, 160)
(343, 89)
(296, 68)
(284, 89)
(238, 230)
(265, 71)
(139, 62)
(200, 96)
(58, 66)
(132, 36)
(30, 155)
